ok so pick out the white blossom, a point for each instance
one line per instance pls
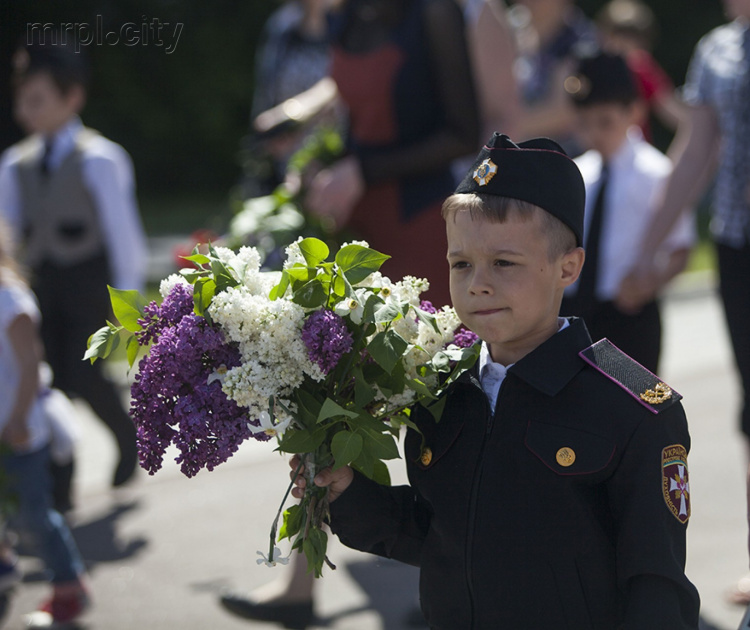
(170, 282)
(276, 558)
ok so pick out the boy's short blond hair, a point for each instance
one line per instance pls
(496, 209)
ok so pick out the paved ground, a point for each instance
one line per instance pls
(160, 550)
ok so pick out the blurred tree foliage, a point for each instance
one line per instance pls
(182, 115)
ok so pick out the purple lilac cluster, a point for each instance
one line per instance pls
(427, 307)
(326, 338)
(172, 402)
(177, 304)
(464, 338)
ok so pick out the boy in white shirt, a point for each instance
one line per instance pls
(624, 176)
(69, 195)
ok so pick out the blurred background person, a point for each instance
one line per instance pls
(550, 35)
(629, 28)
(68, 194)
(25, 431)
(624, 176)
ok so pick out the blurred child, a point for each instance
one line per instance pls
(69, 195)
(24, 428)
(623, 175)
(628, 28)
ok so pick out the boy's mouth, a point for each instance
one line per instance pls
(488, 311)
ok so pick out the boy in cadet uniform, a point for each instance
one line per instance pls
(624, 177)
(554, 491)
(69, 195)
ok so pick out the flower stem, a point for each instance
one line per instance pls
(275, 525)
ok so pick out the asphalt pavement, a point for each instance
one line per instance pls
(160, 550)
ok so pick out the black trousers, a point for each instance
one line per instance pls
(637, 335)
(734, 286)
(74, 302)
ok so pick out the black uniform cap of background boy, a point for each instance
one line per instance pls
(602, 78)
(537, 171)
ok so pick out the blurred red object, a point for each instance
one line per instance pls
(199, 238)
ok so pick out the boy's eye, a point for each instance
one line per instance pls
(504, 263)
(460, 264)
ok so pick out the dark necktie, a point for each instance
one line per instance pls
(585, 296)
(46, 156)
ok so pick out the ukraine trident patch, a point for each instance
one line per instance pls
(675, 483)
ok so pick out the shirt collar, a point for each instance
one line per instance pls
(486, 364)
(64, 140)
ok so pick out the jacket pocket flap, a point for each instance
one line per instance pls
(568, 451)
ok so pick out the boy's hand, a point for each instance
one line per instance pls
(635, 291)
(337, 481)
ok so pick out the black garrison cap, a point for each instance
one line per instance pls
(537, 171)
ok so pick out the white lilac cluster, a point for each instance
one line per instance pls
(245, 265)
(274, 358)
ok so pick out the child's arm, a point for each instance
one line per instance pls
(28, 351)
(387, 521)
(632, 296)
(650, 502)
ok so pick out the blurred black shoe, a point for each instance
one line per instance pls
(296, 616)
(126, 467)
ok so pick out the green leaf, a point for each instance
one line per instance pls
(342, 287)
(314, 250)
(427, 318)
(198, 259)
(373, 303)
(223, 277)
(311, 295)
(387, 348)
(346, 447)
(331, 409)
(132, 348)
(379, 445)
(280, 289)
(203, 292)
(302, 440)
(191, 275)
(358, 262)
(293, 519)
(387, 312)
(381, 473)
(436, 407)
(364, 392)
(102, 342)
(314, 547)
(308, 407)
(421, 389)
(127, 307)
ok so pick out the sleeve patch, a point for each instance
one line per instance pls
(645, 387)
(675, 481)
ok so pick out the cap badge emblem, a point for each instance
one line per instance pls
(485, 172)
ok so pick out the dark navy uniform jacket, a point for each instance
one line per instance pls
(566, 509)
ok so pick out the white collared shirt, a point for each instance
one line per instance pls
(492, 374)
(108, 175)
(637, 175)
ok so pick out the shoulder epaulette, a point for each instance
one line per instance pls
(647, 388)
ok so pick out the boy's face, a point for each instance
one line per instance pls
(40, 107)
(603, 127)
(503, 285)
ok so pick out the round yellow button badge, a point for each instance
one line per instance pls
(566, 456)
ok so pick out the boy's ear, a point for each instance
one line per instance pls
(572, 263)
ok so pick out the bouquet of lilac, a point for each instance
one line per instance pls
(326, 357)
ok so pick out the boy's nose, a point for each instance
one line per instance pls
(480, 284)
